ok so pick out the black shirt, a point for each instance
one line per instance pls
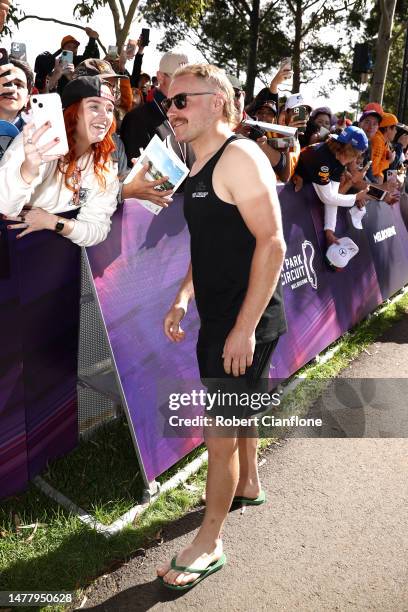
(222, 248)
(317, 164)
(143, 122)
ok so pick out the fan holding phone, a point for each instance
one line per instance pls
(323, 164)
(62, 162)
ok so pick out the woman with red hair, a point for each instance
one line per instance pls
(35, 187)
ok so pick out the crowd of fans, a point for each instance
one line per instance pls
(111, 114)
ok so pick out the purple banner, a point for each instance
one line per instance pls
(39, 304)
(13, 437)
(137, 272)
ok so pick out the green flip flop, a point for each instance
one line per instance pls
(213, 567)
(250, 501)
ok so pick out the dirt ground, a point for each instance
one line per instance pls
(333, 535)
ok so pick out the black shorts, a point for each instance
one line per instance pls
(235, 396)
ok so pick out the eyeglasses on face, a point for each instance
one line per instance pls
(238, 92)
(180, 100)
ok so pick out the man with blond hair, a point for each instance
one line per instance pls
(143, 122)
(237, 250)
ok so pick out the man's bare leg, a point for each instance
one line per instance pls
(248, 483)
(222, 479)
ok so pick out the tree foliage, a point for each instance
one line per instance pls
(14, 15)
(221, 31)
(122, 16)
(368, 20)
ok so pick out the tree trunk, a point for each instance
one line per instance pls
(296, 47)
(254, 23)
(116, 17)
(383, 47)
(121, 39)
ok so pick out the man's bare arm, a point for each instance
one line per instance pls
(178, 310)
(247, 179)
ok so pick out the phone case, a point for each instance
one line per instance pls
(18, 50)
(48, 107)
(376, 193)
(145, 36)
(67, 57)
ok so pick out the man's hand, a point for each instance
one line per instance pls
(296, 123)
(122, 59)
(283, 74)
(4, 9)
(58, 68)
(143, 189)
(61, 68)
(68, 70)
(140, 47)
(91, 33)
(4, 89)
(171, 324)
(331, 237)
(361, 197)
(346, 182)
(357, 173)
(32, 220)
(238, 352)
(391, 198)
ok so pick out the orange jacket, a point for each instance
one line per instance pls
(380, 154)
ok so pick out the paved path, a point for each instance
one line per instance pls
(333, 535)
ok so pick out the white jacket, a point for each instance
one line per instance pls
(48, 191)
(330, 196)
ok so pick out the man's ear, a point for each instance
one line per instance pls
(219, 102)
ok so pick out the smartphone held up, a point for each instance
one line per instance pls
(48, 107)
(18, 51)
(376, 193)
(67, 57)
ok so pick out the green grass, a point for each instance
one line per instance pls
(66, 555)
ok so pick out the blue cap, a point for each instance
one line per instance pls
(355, 136)
(8, 129)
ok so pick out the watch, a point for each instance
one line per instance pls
(59, 226)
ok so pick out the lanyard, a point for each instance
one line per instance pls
(168, 124)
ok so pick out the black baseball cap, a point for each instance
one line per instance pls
(85, 87)
(270, 104)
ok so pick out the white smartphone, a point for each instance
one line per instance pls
(48, 107)
(67, 57)
(391, 174)
(376, 193)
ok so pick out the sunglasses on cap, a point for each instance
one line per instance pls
(114, 88)
(180, 100)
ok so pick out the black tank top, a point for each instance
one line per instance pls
(222, 248)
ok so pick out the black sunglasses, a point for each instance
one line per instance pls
(237, 92)
(180, 100)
